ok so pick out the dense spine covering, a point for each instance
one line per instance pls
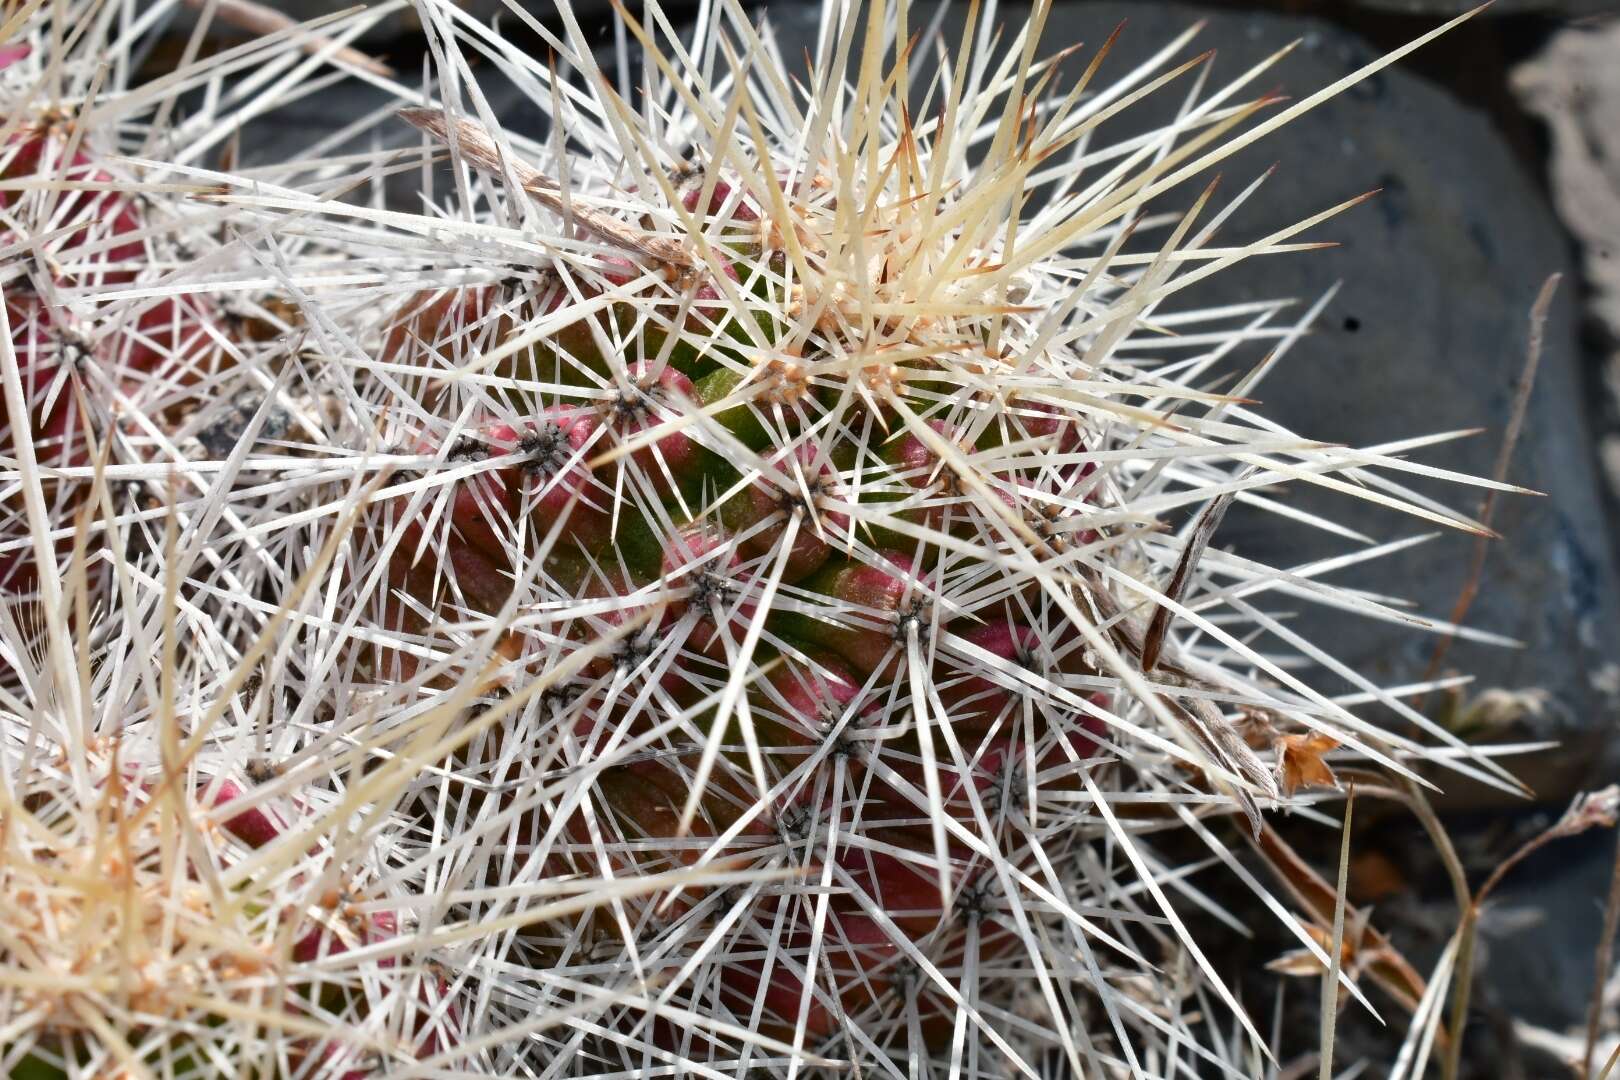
(724, 589)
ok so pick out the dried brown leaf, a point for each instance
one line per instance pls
(1375, 956)
(1300, 764)
(1208, 521)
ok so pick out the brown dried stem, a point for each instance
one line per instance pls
(1605, 961)
(1510, 440)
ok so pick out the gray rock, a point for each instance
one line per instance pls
(1573, 85)
(1427, 334)
(1563, 8)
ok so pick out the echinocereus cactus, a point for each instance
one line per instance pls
(782, 478)
(153, 932)
(189, 897)
(210, 862)
(77, 229)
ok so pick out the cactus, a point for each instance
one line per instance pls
(85, 240)
(173, 943)
(739, 565)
